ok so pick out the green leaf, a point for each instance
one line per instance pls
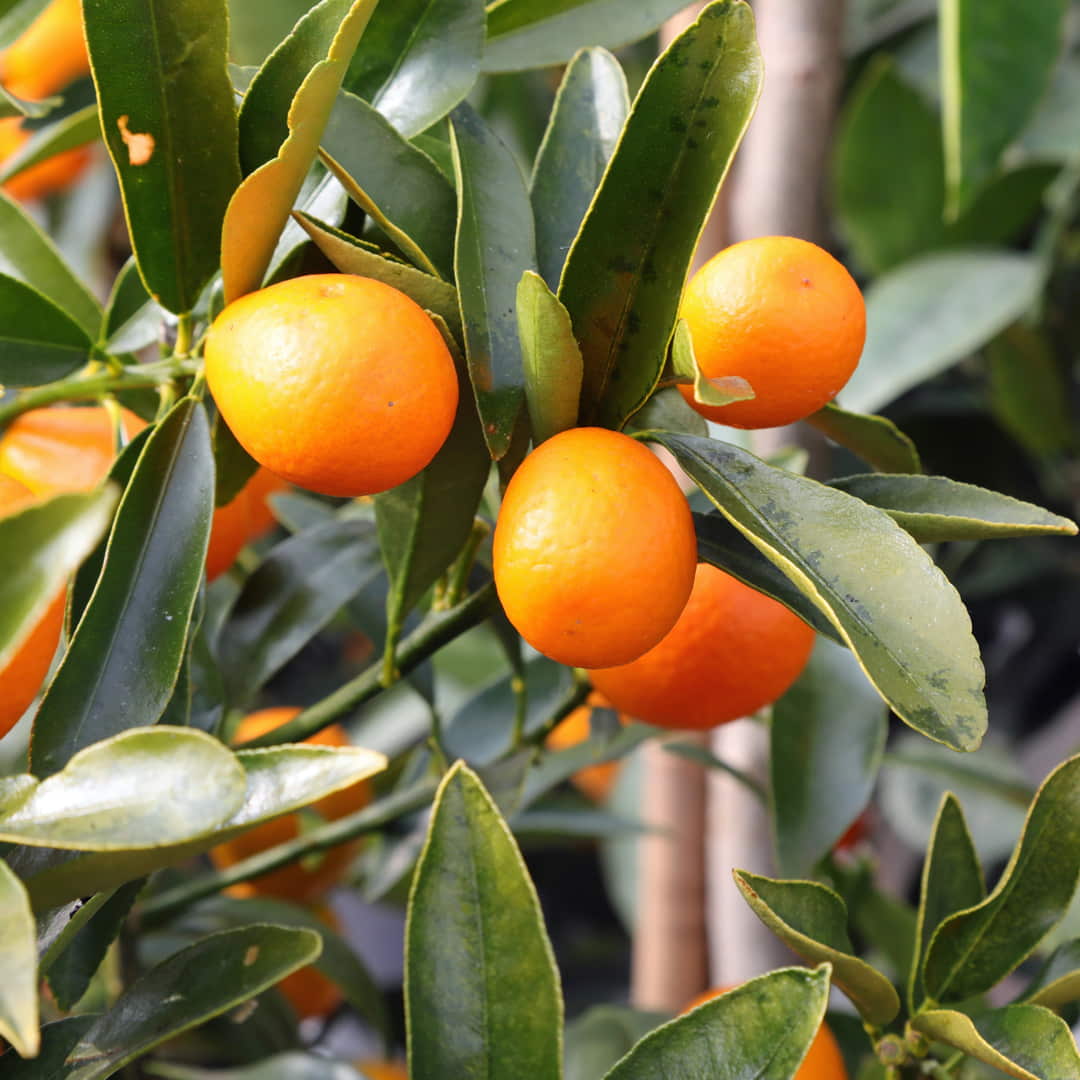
(933, 311)
(123, 660)
(353, 256)
(541, 33)
(991, 81)
(397, 185)
(39, 549)
(16, 16)
(481, 986)
(973, 949)
(169, 123)
(190, 987)
(30, 256)
(952, 881)
(233, 465)
(18, 961)
(866, 575)
(603, 1034)
(57, 1039)
(1025, 1041)
(39, 341)
(290, 596)
(420, 58)
(888, 924)
(667, 410)
(812, 920)
(722, 390)
(281, 123)
(586, 121)
(934, 508)
(1058, 981)
(292, 1065)
(827, 738)
(622, 285)
(551, 358)
(76, 129)
(761, 1029)
(132, 320)
(876, 439)
(494, 246)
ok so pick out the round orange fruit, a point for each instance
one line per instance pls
(594, 549)
(732, 651)
(49, 54)
(782, 314)
(338, 383)
(594, 781)
(52, 174)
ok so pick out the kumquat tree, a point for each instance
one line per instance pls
(409, 439)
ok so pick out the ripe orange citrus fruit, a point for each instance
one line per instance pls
(594, 549)
(309, 991)
(49, 54)
(823, 1060)
(53, 174)
(338, 383)
(733, 651)
(239, 522)
(781, 313)
(21, 677)
(383, 1070)
(298, 881)
(593, 781)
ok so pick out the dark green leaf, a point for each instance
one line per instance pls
(827, 738)
(667, 410)
(1058, 981)
(888, 924)
(972, 950)
(876, 439)
(866, 575)
(132, 320)
(622, 285)
(57, 1039)
(292, 1065)
(812, 920)
(169, 122)
(494, 246)
(602, 1035)
(18, 961)
(233, 465)
(934, 508)
(586, 121)
(122, 663)
(39, 342)
(481, 985)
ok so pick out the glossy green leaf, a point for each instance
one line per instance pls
(952, 881)
(18, 961)
(876, 439)
(551, 358)
(586, 121)
(353, 256)
(1025, 1041)
(622, 285)
(397, 185)
(30, 256)
(132, 320)
(420, 58)
(481, 986)
(122, 662)
(598, 1038)
(540, 33)
(57, 1039)
(291, 1065)
(233, 465)
(934, 508)
(1058, 981)
(169, 123)
(812, 920)
(761, 1030)
(723, 390)
(39, 342)
(190, 987)
(284, 113)
(931, 312)
(39, 549)
(494, 246)
(866, 575)
(991, 81)
(667, 410)
(290, 596)
(827, 738)
(973, 949)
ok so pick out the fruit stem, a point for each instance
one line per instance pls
(572, 699)
(182, 348)
(458, 581)
(521, 710)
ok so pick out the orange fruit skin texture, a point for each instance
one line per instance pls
(21, 677)
(594, 549)
(781, 313)
(293, 882)
(732, 652)
(338, 383)
(60, 449)
(49, 54)
(309, 991)
(823, 1060)
(594, 781)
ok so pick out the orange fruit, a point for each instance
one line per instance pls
(594, 780)
(594, 548)
(338, 383)
(239, 522)
(49, 54)
(781, 313)
(297, 881)
(309, 991)
(53, 174)
(733, 651)
(383, 1070)
(21, 677)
